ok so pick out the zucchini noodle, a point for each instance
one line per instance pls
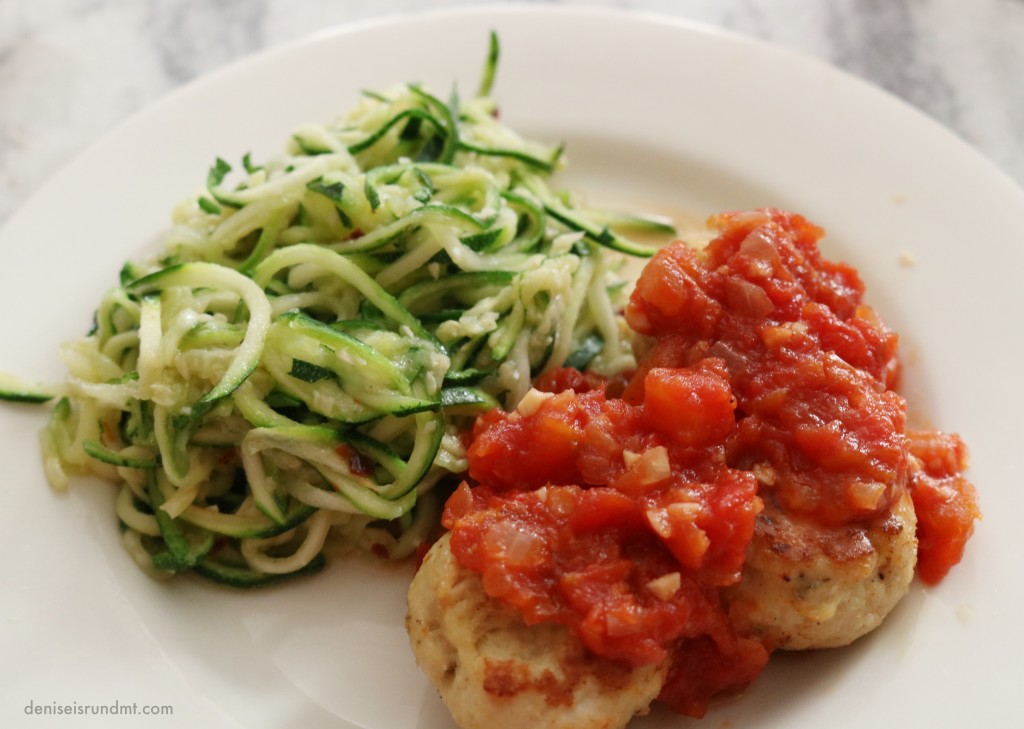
(297, 366)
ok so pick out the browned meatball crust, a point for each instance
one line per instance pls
(493, 671)
(804, 586)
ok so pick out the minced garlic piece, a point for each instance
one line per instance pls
(532, 401)
(665, 587)
(652, 465)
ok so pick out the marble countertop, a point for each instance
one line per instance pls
(70, 70)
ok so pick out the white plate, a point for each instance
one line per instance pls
(655, 113)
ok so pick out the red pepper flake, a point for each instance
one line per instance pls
(358, 463)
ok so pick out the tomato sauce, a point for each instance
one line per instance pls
(945, 501)
(621, 509)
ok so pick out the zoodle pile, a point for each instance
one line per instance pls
(301, 362)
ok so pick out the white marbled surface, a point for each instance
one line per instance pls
(70, 70)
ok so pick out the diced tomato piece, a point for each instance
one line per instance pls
(603, 508)
(693, 406)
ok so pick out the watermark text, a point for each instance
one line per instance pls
(114, 708)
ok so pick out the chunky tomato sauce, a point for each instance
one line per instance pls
(945, 501)
(621, 511)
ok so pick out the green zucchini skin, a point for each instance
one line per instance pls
(16, 389)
